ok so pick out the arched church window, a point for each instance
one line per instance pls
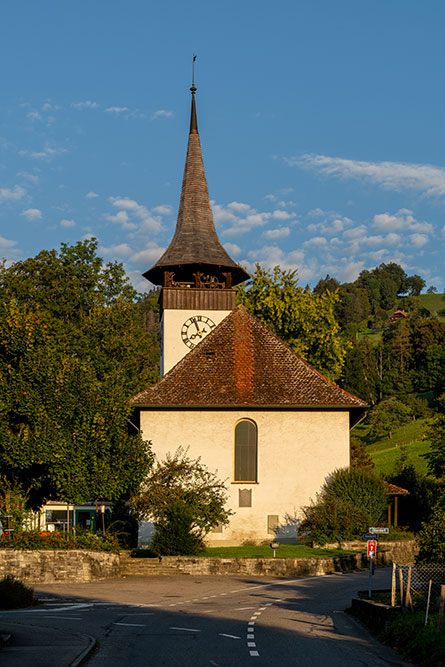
(246, 446)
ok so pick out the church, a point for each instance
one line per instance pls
(232, 392)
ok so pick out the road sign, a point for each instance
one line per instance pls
(370, 536)
(383, 531)
(372, 548)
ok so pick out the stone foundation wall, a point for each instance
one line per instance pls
(387, 553)
(54, 566)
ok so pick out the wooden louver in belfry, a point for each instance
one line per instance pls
(195, 250)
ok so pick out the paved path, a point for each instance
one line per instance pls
(219, 621)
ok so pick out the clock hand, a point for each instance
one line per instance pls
(196, 324)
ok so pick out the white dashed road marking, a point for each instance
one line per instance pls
(186, 629)
(221, 634)
(132, 625)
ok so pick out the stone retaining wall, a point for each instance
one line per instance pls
(387, 553)
(54, 566)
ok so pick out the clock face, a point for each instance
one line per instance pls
(195, 329)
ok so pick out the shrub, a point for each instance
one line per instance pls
(432, 538)
(349, 502)
(174, 534)
(14, 594)
(31, 539)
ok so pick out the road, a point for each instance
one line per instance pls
(182, 621)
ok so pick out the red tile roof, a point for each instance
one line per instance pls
(393, 490)
(243, 363)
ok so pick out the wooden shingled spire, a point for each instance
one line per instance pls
(195, 249)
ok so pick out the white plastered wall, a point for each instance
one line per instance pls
(173, 349)
(296, 450)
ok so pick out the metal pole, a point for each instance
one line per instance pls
(370, 578)
(428, 601)
(441, 607)
(393, 586)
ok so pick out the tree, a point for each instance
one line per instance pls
(431, 538)
(349, 502)
(415, 284)
(305, 321)
(69, 361)
(387, 416)
(436, 433)
(360, 372)
(359, 456)
(181, 482)
(431, 290)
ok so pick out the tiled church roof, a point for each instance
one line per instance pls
(195, 241)
(242, 363)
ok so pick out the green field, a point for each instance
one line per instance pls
(433, 302)
(407, 443)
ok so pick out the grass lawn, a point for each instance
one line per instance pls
(264, 551)
(407, 439)
(433, 302)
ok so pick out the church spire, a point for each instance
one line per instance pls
(195, 247)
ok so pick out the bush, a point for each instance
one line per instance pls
(350, 501)
(33, 540)
(432, 538)
(423, 645)
(14, 594)
(174, 534)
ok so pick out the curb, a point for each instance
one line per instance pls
(80, 658)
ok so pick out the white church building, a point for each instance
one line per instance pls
(231, 391)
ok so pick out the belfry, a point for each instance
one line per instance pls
(195, 272)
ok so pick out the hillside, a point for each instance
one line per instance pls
(406, 446)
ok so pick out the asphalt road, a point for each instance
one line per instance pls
(221, 621)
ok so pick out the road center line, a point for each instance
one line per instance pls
(221, 634)
(185, 629)
(132, 625)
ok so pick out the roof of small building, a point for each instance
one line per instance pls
(243, 363)
(393, 490)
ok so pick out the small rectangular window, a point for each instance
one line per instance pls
(245, 498)
(272, 523)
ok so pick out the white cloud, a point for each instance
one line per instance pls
(232, 248)
(163, 209)
(316, 241)
(116, 110)
(418, 240)
(402, 220)
(280, 233)
(148, 222)
(121, 250)
(32, 214)
(34, 115)
(239, 207)
(390, 175)
(149, 255)
(282, 215)
(67, 223)
(6, 244)
(91, 195)
(12, 194)
(162, 113)
(29, 177)
(121, 218)
(88, 104)
(47, 153)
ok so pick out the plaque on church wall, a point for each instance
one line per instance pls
(272, 523)
(245, 497)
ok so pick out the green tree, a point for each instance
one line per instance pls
(360, 373)
(387, 416)
(349, 502)
(414, 285)
(73, 349)
(431, 538)
(180, 481)
(359, 456)
(436, 433)
(305, 321)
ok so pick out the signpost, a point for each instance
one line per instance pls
(376, 531)
(372, 552)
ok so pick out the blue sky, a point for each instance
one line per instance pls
(322, 127)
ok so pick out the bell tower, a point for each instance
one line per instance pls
(196, 274)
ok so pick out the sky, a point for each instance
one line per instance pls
(321, 123)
